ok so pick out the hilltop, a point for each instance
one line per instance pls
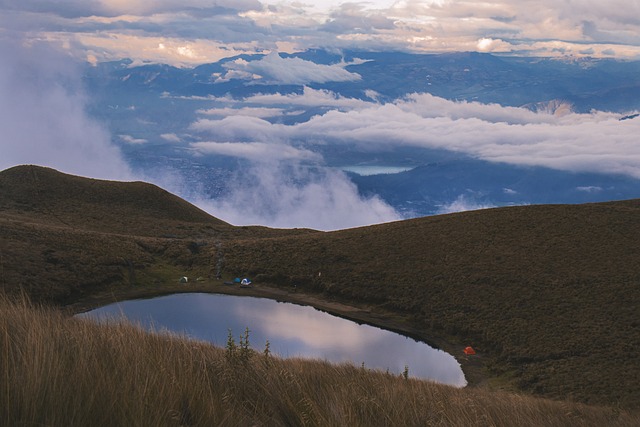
(547, 294)
(66, 237)
(48, 196)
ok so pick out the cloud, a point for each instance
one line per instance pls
(463, 203)
(309, 98)
(356, 18)
(178, 51)
(286, 196)
(262, 113)
(198, 31)
(43, 118)
(274, 69)
(255, 151)
(590, 189)
(171, 137)
(131, 140)
(238, 129)
(493, 45)
(112, 8)
(595, 142)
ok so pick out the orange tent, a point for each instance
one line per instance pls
(469, 351)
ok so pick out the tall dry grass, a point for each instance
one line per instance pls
(60, 371)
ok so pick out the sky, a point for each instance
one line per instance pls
(187, 32)
(43, 105)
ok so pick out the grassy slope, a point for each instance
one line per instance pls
(548, 294)
(58, 371)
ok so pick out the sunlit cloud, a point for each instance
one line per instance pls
(198, 31)
(181, 52)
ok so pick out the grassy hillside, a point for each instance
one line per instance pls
(59, 371)
(547, 294)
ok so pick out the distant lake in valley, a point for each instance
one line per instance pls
(292, 331)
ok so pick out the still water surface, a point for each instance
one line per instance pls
(292, 331)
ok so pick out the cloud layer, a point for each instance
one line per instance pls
(197, 31)
(595, 142)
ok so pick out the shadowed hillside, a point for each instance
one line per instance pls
(548, 295)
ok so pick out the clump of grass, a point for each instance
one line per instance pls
(61, 371)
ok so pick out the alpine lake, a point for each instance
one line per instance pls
(291, 330)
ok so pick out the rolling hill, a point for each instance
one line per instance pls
(547, 294)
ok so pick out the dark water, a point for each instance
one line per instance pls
(291, 330)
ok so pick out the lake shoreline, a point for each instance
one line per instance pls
(472, 366)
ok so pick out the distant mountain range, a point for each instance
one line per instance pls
(585, 84)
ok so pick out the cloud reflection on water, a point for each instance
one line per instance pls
(292, 331)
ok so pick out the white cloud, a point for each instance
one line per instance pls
(462, 204)
(255, 151)
(262, 113)
(294, 196)
(171, 137)
(275, 69)
(596, 142)
(310, 98)
(131, 140)
(43, 118)
(178, 51)
(590, 189)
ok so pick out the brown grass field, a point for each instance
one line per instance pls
(548, 295)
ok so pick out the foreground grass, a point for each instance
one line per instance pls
(60, 371)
